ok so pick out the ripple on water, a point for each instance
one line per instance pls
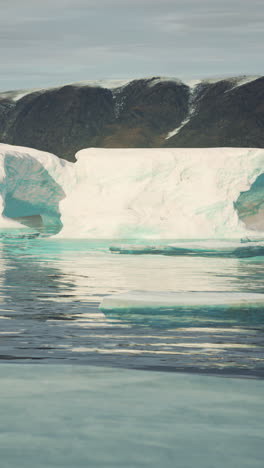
(50, 291)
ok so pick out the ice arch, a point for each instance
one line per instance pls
(30, 193)
(250, 205)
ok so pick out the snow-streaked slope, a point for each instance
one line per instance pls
(243, 80)
(112, 84)
(135, 193)
(16, 95)
(193, 85)
(108, 84)
(178, 129)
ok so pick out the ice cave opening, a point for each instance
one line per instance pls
(250, 205)
(30, 194)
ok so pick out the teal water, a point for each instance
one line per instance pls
(81, 416)
(51, 290)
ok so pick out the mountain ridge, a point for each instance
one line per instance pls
(146, 112)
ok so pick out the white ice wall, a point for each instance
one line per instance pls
(159, 193)
(147, 193)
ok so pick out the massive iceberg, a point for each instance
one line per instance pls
(137, 193)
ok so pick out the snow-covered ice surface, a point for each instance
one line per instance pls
(159, 193)
(135, 193)
(65, 416)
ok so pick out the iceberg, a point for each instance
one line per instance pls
(205, 193)
(160, 193)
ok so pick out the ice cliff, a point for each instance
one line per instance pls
(137, 193)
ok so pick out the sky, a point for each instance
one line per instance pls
(53, 42)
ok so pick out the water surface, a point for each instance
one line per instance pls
(83, 416)
(50, 291)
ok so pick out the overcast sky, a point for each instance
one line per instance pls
(51, 42)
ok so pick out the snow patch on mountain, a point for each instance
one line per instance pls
(191, 110)
(243, 80)
(107, 84)
(114, 84)
(18, 94)
(158, 80)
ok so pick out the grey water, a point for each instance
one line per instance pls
(50, 295)
(83, 416)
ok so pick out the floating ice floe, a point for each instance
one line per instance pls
(134, 300)
(177, 310)
(240, 249)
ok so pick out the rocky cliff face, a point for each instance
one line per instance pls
(142, 113)
(225, 113)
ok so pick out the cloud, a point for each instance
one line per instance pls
(43, 43)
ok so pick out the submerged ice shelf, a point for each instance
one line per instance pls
(136, 193)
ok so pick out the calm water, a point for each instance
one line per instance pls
(50, 291)
(83, 416)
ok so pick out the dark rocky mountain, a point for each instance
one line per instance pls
(155, 112)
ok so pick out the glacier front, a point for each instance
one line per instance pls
(137, 193)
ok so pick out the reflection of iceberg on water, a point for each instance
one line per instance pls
(186, 308)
